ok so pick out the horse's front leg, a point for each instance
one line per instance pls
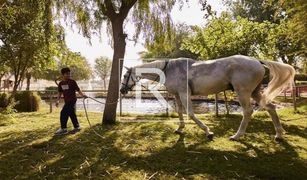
(187, 103)
(180, 113)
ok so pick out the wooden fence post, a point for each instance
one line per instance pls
(216, 105)
(50, 99)
(120, 105)
(167, 114)
(294, 98)
(226, 103)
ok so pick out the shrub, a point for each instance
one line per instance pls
(10, 108)
(301, 77)
(26, 101)
(47, 92)
(51, 88)
(7, 104)
(4, 100)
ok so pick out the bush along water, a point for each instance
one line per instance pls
(4, 100)
(26, 101)
(7, 104)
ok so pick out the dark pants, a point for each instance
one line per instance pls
(69, 110)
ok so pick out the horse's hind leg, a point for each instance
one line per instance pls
(272, 111)
(187, 103)
(244, 99)
(278, 127)
(180, 113)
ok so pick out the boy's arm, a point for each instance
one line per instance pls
(81, 93)
(58, 99)
(79, 90)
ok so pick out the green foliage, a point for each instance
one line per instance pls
(223, 37)
(27, 34)
(7, 104)
(27, 101)
(145, 14)
(150, 18)
(4, 69)
(80, 68)
(10, 108)
(301, 77)
(257, 10)
(167, 45)
(4, 100)
(289, 16)
(51, 88)
(297, 26)
(103, 68)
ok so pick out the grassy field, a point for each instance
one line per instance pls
(28, 149)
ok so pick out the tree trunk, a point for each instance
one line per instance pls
(21, 84)
(17, 81)
(1, 82)
(15, 87)
(109, 115)
(28, 76)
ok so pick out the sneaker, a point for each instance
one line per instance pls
(61, 131)
(75, 130)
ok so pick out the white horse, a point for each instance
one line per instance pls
(185, 77)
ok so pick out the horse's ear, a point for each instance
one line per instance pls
(127, 68)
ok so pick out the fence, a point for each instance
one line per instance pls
(51, 95)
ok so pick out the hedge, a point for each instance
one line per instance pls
(27, 101)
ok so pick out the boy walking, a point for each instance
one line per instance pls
(68, 87)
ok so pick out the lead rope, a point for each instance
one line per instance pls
(86, 114)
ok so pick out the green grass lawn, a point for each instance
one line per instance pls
(28, 149)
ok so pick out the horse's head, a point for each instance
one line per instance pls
(129, 81)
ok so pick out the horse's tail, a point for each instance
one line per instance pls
(282, 76)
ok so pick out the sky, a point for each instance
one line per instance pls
(190, 14)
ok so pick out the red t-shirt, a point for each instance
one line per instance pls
(69, 88)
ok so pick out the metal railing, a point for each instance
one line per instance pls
(51, 95)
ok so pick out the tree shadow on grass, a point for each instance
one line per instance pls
(85, 155)
(230, 124)
(186, 161)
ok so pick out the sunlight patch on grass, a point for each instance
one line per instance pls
(151, 150)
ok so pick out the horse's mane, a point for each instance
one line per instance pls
(153, 64)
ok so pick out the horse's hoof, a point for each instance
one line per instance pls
(178, 132)
(210, 137)
(278, 139)
(232, 138)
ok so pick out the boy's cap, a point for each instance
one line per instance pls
(65, 70)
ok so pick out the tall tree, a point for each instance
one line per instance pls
(80, 68)
(147, 16)
(103, 68)
(257, 10)
(25, 32)
(297, 23)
